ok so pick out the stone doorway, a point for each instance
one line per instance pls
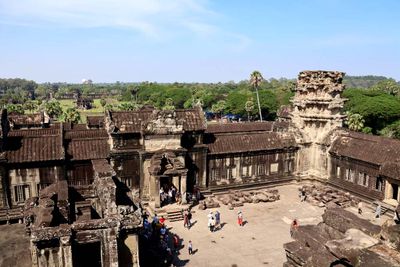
(395, 191)
(392, 194)
(87, 254)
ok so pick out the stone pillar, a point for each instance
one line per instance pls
(155, 190)
(131, 243)
(34, 255)
(4, 197)
(175, 182)
(65, 255)
(183, 188)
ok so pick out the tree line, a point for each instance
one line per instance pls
(373, 104)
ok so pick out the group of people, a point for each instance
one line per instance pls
(169, 194)
(214, 221)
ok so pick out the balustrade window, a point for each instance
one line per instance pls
(379, 184)
(22, 193)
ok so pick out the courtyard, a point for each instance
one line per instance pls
(258, 243)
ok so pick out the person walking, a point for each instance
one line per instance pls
(185, 219)
(360, 205)
(189, 218)
(293, 227)
(240, 218)
(217, 219)
(190, 247)
(378, 211)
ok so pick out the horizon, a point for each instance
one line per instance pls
(195, 41)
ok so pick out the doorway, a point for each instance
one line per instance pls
(87, 254)
(395, 190)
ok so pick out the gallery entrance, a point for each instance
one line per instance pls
(395, 191)
(392, 195)
(87, 254)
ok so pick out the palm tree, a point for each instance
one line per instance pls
(355, 122)
(255, 80)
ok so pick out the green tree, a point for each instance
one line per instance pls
(15, 108)
(249, 107)
(128, 106)
(355, 121)
(389, 86)
(169, 105)
(392, 130)
(255, 81)
(103, 103)
(30, 105)
(219, 107)
(53, 108)
(71, 115)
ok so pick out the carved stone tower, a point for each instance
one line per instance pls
(317, 107)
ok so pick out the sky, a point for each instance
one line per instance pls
(196, 40)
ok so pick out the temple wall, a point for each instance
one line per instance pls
(239, 169)
(358, 177)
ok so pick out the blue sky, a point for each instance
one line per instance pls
(196, 40)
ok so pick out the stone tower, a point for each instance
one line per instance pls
(317, 111)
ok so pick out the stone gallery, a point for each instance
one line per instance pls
(81, 188)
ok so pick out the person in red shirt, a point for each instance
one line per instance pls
(162, 220)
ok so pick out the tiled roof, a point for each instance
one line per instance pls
(239, 127)
(26, 119)
(193, 119)
(92, 133)
(247, 142)
(34, 149)
(86, 149)
(136, 121)
(95, 121)
(368, 148)
(34, 132)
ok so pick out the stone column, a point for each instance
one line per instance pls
(155, 190)
(175, 182)
(183, 188)
(132, 243)
(4, 197)
(65, 255)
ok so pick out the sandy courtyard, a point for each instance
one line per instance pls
(258, 243)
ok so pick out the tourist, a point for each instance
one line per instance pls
(360, 205)
(190, 247)
(176, 243)
(217, 219)
(170, 196)
(162, 220)
(378, 211)
(303, 195)
(155, 219)
(212, 224)
(397, 214)
(210, 221)
(240, 218)
(293, 227)
(185, 219)
(189, 216)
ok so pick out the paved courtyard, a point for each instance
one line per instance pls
(258, 243)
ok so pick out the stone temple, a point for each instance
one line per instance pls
(82, 188)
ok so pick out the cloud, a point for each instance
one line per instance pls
(149, 17)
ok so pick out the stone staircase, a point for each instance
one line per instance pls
(174, 215)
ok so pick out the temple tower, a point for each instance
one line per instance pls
(317, 111)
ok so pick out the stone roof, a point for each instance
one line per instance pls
(137, 121)
(368, 148)
(378, 150)
(95, 121)
(240, 127)
(32, 120)
(248, 142)
(87, 144)
(34, 148)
